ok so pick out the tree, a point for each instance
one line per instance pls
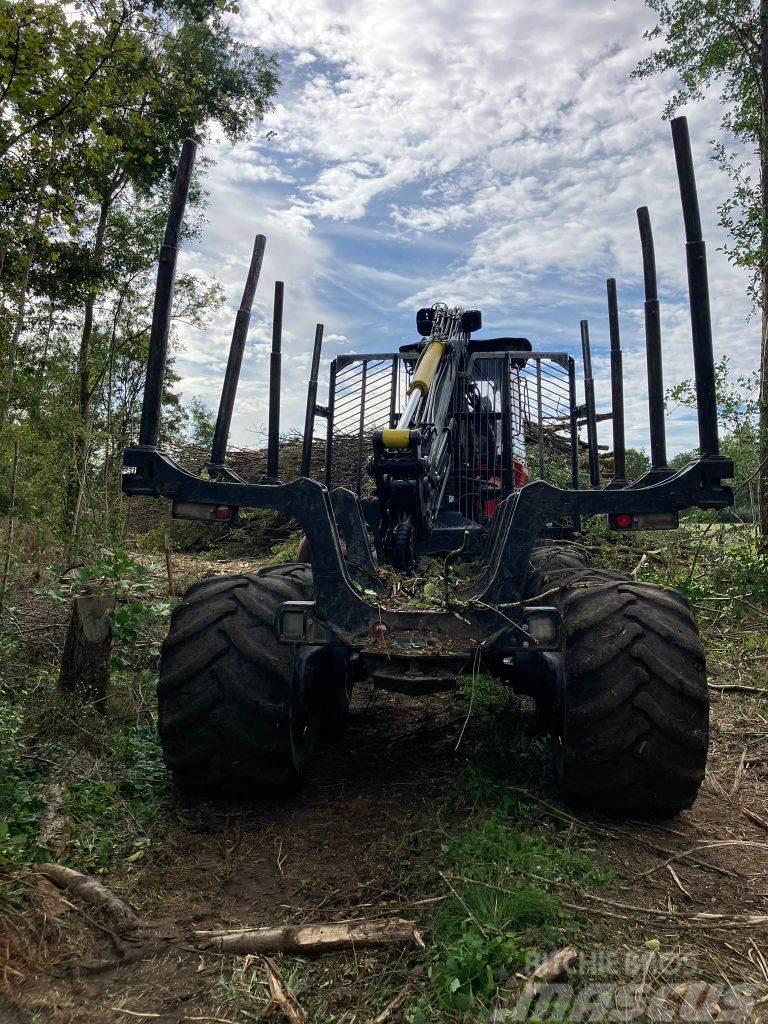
(738, 415)
(723, 45)
(95, 98)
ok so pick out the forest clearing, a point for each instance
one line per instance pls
(359, 667)
(398, 820)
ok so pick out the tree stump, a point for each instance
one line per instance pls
(85, 661)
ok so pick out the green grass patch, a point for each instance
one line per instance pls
(504, 905)
(76, 786)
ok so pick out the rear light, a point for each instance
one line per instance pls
(623, 521)
(294, 621)
(203, 510)
(643, 521)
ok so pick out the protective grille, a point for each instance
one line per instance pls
(513, 424)
(366, 395)
(548, 392)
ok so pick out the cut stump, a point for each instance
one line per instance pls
(85, 662)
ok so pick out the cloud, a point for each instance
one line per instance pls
(491, 154)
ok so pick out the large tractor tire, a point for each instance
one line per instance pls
(630, 717)
(236, 718)
(550, 566)
(635, 705)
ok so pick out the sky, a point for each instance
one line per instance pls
(490, 155)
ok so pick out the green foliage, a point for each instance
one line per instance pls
(502, 904)
(94, 102)
(138, 612)
(724, 563)
(22, 799)
(715, 45)
(202, 422)
(738, 410)
(107, 819)
(100, 783)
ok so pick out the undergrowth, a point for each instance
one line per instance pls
(82, 785)
(74, 786)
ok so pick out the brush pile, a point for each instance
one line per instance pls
(257, 530)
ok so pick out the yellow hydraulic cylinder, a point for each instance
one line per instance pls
(426, 367)
(395, 438)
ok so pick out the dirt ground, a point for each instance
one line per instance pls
(688, 899)
(362, 839)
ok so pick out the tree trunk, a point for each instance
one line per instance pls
(762, 484)
(85, 662)
(84, 373)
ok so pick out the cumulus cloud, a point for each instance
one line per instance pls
(490, 154)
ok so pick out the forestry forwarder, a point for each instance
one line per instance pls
(463, 433)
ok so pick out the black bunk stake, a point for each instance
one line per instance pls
(698, 292)
(275, 364)
(617, 389)
(235, 360)
(574, 423)
(161, 312)
(653, 346)
(309, 419)
(589, 398)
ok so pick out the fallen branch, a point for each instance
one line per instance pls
(91, 892)
(551, 969)
(311, 938)
(394, 1003)
(677, 921)
(281, 997)
(754, 818)
(737, 688)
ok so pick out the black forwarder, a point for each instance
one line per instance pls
(462, 447)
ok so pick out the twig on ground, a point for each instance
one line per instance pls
(134, 1013)
(739, 772)
(677, 882)
(704, 846)
(738, 688)
(281, 997)
(394, 1003)
(214, 1020)
(754, 818)
(463, 903)
(551, 969)
(555, 811)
